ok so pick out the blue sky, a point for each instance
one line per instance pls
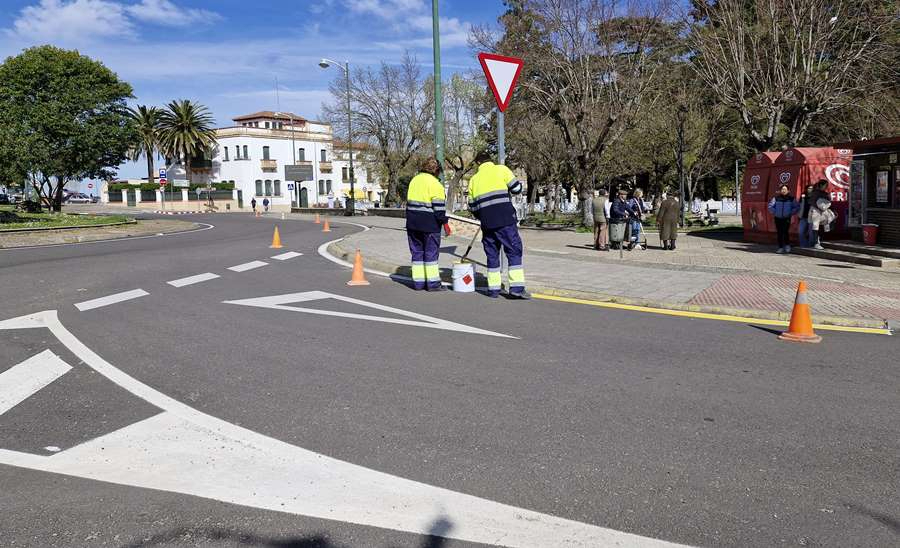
(227, 54)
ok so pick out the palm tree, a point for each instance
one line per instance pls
(186, 130)
(146, 124)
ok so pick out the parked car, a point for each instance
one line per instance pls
(4, 199)
(77, 198)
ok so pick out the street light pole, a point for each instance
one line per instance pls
(293, 152)
(351, 202)
(438, 91)
(681, 116)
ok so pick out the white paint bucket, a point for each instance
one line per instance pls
(464, 277)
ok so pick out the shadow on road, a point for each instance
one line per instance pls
(435, 539)
(890, 522)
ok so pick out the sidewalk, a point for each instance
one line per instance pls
(708, 273)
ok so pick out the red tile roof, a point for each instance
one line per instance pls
(269, 114)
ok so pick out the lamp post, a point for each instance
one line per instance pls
(351, 202)
(438, 91)
(682, 114)
(293, 151)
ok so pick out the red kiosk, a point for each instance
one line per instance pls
(795, 167)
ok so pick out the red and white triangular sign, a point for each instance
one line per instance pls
(502, 74)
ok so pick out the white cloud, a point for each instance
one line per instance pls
(164, 12)
(78, 20)
(413, 18)
(386, 9)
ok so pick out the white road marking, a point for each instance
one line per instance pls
(323, 251)
(550, 251)
(280, 302)
(190, 280)
(52, 449)
(247, 266)
(182, 450)
(286, 256)
(206, 226)
(111, 299)
(20, 381)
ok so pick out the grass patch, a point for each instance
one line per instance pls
(11, 219)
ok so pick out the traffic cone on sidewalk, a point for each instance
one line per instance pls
(276, 240)
(358, 277)
(318, 221)
(800, 328)
(326, 227)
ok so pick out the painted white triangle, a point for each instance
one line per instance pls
(502, 73)
(281, 302)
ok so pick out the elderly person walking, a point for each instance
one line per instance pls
(600, 205)
(667, 218)
(820, 214)
(636, 204)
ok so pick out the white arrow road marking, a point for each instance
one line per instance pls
(191, 280)
(247, 266)
(279, 302)
(20, 381)
(110, 299)
(182, 450)
(286, 256)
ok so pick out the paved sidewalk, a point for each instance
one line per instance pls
(707, 273)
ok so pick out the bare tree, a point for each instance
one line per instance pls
(782, 63)
(391, 112)
(589, 67)
(466, 143)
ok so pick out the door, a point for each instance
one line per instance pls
(304, 197)
(131, 197)
(240, 199)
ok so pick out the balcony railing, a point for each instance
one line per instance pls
(268, 165)
(325, 167)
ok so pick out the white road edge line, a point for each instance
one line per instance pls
(206, 226)
(247, 266)
(286, 256)
(190, 280)
(323, 251)
(110, 299)
(19, 382)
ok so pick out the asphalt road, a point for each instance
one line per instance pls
(689, 431)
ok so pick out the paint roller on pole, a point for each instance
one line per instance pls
(502, 73)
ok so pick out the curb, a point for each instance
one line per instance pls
(49, 228)
(182, 212)
(377, 263)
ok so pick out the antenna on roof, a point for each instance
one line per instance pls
(277, 98)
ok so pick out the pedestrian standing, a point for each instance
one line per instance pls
(425, 215)
(489, 200)
(601, 235)
(803, 226)
(667, 217)
(820, 203)
(783, 207)
(253, 204)
(636, 205)
(619, 214)
(266, 205)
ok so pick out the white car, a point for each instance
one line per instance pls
(78, 198)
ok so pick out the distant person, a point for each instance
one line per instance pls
(803, 227)
(820, 214)
(667, 217)
(619, 214)
(266, 205)
(253, 205)
(636, 205)
(783, 207)
(600, 206)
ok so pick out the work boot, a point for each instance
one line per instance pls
(524, 296)
(437, 289)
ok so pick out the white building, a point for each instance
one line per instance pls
(367, 185)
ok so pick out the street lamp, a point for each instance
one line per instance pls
(325, 63)
(293, 151)
(681, 115)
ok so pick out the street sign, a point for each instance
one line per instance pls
(162, 173)
(501, 73)
(162, 182)
(298, 173)
(290, 186)
(180, 183)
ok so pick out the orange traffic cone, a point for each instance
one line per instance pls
(318, 222)
(358, 277)
(326, 227)
(276, 240)
(800, 328)
(257, 213)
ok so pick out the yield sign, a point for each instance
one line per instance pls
(502, 74)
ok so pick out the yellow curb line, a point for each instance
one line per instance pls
(707, 316)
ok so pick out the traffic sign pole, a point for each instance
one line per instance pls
(501, 138)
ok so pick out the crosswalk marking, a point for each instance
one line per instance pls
(190, 280)
(247, 266)
(19, 382)
(286, 256)
(110, 299)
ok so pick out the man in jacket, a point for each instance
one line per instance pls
(489, 200)
(600, 231)
(667, 218)
(425, 214)
(619, 212)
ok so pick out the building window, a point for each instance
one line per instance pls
(323, 156)
(344, 172)
(301, 154)
(258, 187)
(267, 125)
(328, 185)
(246, 156)
(226, 153)
(278, 188)
(321, 186)
(268, 187)
(265, 153)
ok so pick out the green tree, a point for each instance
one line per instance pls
(186, 131)
(146, 123)
(63, 117)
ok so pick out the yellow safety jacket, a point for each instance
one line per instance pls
(489, 195)
(426, 209)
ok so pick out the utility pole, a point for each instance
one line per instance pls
(351, 203)
(438, 91)
(681, 115)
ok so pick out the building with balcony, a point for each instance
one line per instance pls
(367, 185)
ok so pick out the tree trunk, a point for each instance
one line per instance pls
(150, 177)
(58, 194)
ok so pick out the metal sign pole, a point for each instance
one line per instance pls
(501, 138)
